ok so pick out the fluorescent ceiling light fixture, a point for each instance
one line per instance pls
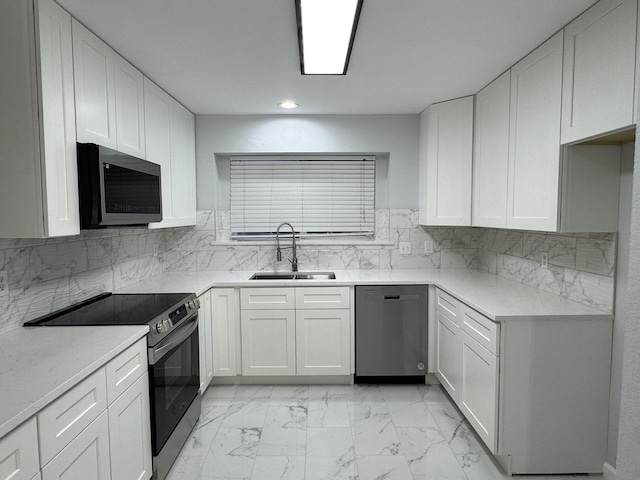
(326, 29)
(288, 104)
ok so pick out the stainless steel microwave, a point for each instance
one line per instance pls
(117, 189)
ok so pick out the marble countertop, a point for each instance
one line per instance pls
(498, 298)
(39, 364)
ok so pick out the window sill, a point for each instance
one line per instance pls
(304, 243)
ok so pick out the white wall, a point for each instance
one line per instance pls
(393, 135)
(622, 270)
(628, 312)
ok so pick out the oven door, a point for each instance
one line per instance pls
(174, 380)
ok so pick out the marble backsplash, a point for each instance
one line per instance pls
(581, 266)
(45, 275)
(207, 247)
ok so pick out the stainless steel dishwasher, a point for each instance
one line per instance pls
(391, 333)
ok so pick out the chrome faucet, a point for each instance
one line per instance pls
(294, 259)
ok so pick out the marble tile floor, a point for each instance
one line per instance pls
(343, 432)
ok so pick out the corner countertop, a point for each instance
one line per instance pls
(496, 297)
(39, 364)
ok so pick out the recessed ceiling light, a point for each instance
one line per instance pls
(288, 104)
(326, 29)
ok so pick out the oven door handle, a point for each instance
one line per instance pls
(177, 337)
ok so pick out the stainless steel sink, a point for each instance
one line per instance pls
(293, 276)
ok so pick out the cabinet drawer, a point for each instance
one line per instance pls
(481, 329)
(448, 306)
(19, 452)
(62, 421)
(267, 298)
(322, 297)
(86, 457)
(125, 369)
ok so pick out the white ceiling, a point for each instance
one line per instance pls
(241, 56)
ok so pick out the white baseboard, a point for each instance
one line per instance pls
(608, 472)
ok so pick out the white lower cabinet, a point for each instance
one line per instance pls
(19, 453)
(86, 457)
(130, 433)
(81, 435)
(205, 341)
(448, 370)
(479, 389)
(310, 334)
(268, 342)
(447, 359)
(323, 342)
(535, 395)
(224, 312)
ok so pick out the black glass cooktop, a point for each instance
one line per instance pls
(113, 309)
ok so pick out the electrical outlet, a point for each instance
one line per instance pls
(428, 246)
(4, 284)
(155, 249)
(544, 260)
(405, 248)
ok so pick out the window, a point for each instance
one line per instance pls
(318, 195)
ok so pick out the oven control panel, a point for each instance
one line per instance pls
(176, 316)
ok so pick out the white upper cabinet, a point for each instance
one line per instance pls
(534, 147)
(109, 95)
(93, 62)
(445, 163)
(157, 109)
(170, 139)
(183, 166)
(129, 108)
(491, 154)
(599, 69)
(39, 195)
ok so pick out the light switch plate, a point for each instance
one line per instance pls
(428, 246)
(405, 248)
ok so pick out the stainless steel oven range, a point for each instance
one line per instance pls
(172, 347)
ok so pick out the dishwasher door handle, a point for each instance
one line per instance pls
(392, 297)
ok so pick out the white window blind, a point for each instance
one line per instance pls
(328, 195)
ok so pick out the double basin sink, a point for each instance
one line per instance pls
(293, 276)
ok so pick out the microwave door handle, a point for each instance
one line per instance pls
(157, 352)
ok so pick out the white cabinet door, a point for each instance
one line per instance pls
(61, 421)
(268, 342)
(224, 310)
(534, 149)
(130, 433)
(449, 312)
(129, 90)
(449, 139)
(323, 343)
(170, 140)
(86, 457)
(599, 69)
(205, 341)
(448, 368)
(93, 62)
(157, 115)
(125, 369)
(58, 118)
(491, 153)
(39, 197)
(479, 389)
(19, 452)
(183, 166)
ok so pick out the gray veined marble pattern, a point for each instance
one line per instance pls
(346, 432)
